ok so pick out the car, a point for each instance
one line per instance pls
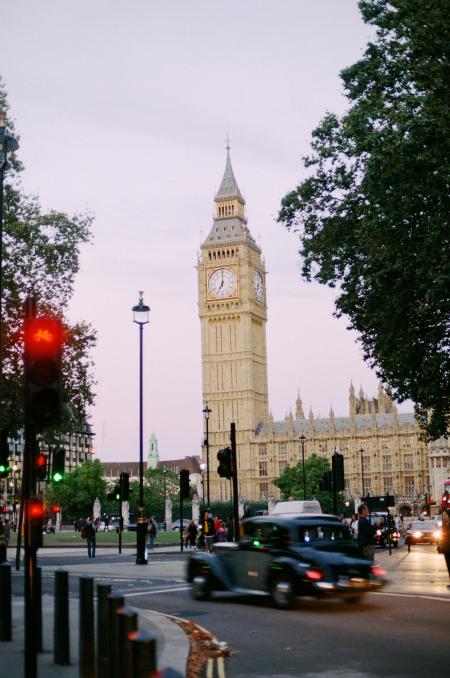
(383, 532)
(176, 524)
(422, 532)
(285, 557)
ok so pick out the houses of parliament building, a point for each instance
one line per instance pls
(382, 449)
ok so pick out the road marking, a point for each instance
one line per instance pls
(151, 593)
(409, 595)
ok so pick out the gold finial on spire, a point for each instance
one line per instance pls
(228, 142)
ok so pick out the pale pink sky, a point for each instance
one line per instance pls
(123, 109)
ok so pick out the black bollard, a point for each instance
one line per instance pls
(38, 610)
(127, 622)
(143, 654)
(86, 634)
(115, 601)
(5, 602)
(61, 638)
(103, 591)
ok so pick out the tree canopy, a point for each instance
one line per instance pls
(290, 481)
(372, 210)
(79, 489)
(41, 251)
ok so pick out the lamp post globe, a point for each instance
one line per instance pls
(141, 318)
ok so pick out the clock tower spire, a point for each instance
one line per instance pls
(233, 315)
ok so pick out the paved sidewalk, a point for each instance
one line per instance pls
(172, 643)
(421, 572)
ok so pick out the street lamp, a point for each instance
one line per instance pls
(164, 472)
(140, 317)
(207, 412)
(7, 145)
(362, 473)
(302, 441)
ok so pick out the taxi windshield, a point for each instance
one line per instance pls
(315, 533)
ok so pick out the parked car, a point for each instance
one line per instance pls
(422, 532)
(285, 557)
(176, 524)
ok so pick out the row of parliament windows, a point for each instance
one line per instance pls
(224, 254)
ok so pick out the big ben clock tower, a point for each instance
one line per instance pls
(233, 315)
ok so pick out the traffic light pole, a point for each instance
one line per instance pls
(334, 486)
(235, 482)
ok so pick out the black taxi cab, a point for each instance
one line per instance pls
(285, 557)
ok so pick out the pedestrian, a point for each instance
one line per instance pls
(105, 529)
(354, 526)
(186, 536)
(97, 523)
(366, 533)
(152, 531)
(91, 534)
(208, 530)
(7, 530)
(220, 533)
(3, 558)
(192, 533)
(444, 541)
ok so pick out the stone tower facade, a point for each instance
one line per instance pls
(233, 315)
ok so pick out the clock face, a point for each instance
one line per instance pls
(258, 286)
(222, 283)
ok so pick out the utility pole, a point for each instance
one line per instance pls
(235, 482)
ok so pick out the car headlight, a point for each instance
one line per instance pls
(417, 533)
(437, 533)
(378, 533)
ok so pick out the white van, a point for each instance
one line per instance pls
(290, 508)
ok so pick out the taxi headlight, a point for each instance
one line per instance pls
(417, 533)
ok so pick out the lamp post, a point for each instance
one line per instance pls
(164, 472)
(302, 441)
(140, 317)
(207, 412)
(7, 145)
(362, 473)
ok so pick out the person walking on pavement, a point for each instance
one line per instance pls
(91, 534)
(366, 533)
(192, 534)
(444, 542)
(208, 530)
(2, 542)
(151, 529)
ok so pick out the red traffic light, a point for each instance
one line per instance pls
(55, 509)
(35, 509)
(43, 335)
(41, 460)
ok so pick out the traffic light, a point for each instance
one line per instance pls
(5, 468)
(184, 484)
(125, 486)
(114, 495)
(224, 458)
(42, 358)
(59, 462)
(35, 513)
(40, 465)
(325, 483)
(338, 471)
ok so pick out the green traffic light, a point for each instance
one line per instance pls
(57, 477)
(4, 470)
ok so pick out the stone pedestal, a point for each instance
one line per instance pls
(97, 508)
(195, 509)
(126, 512)
(168, 513)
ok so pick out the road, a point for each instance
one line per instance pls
(388, 635)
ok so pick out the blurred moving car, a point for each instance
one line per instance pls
(285, 557)
(422, 532)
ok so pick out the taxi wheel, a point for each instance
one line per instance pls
(283, 593)
(201, 589)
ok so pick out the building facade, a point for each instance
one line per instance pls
(382, 449)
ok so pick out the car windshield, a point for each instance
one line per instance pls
(317, 533)
(423, 525)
